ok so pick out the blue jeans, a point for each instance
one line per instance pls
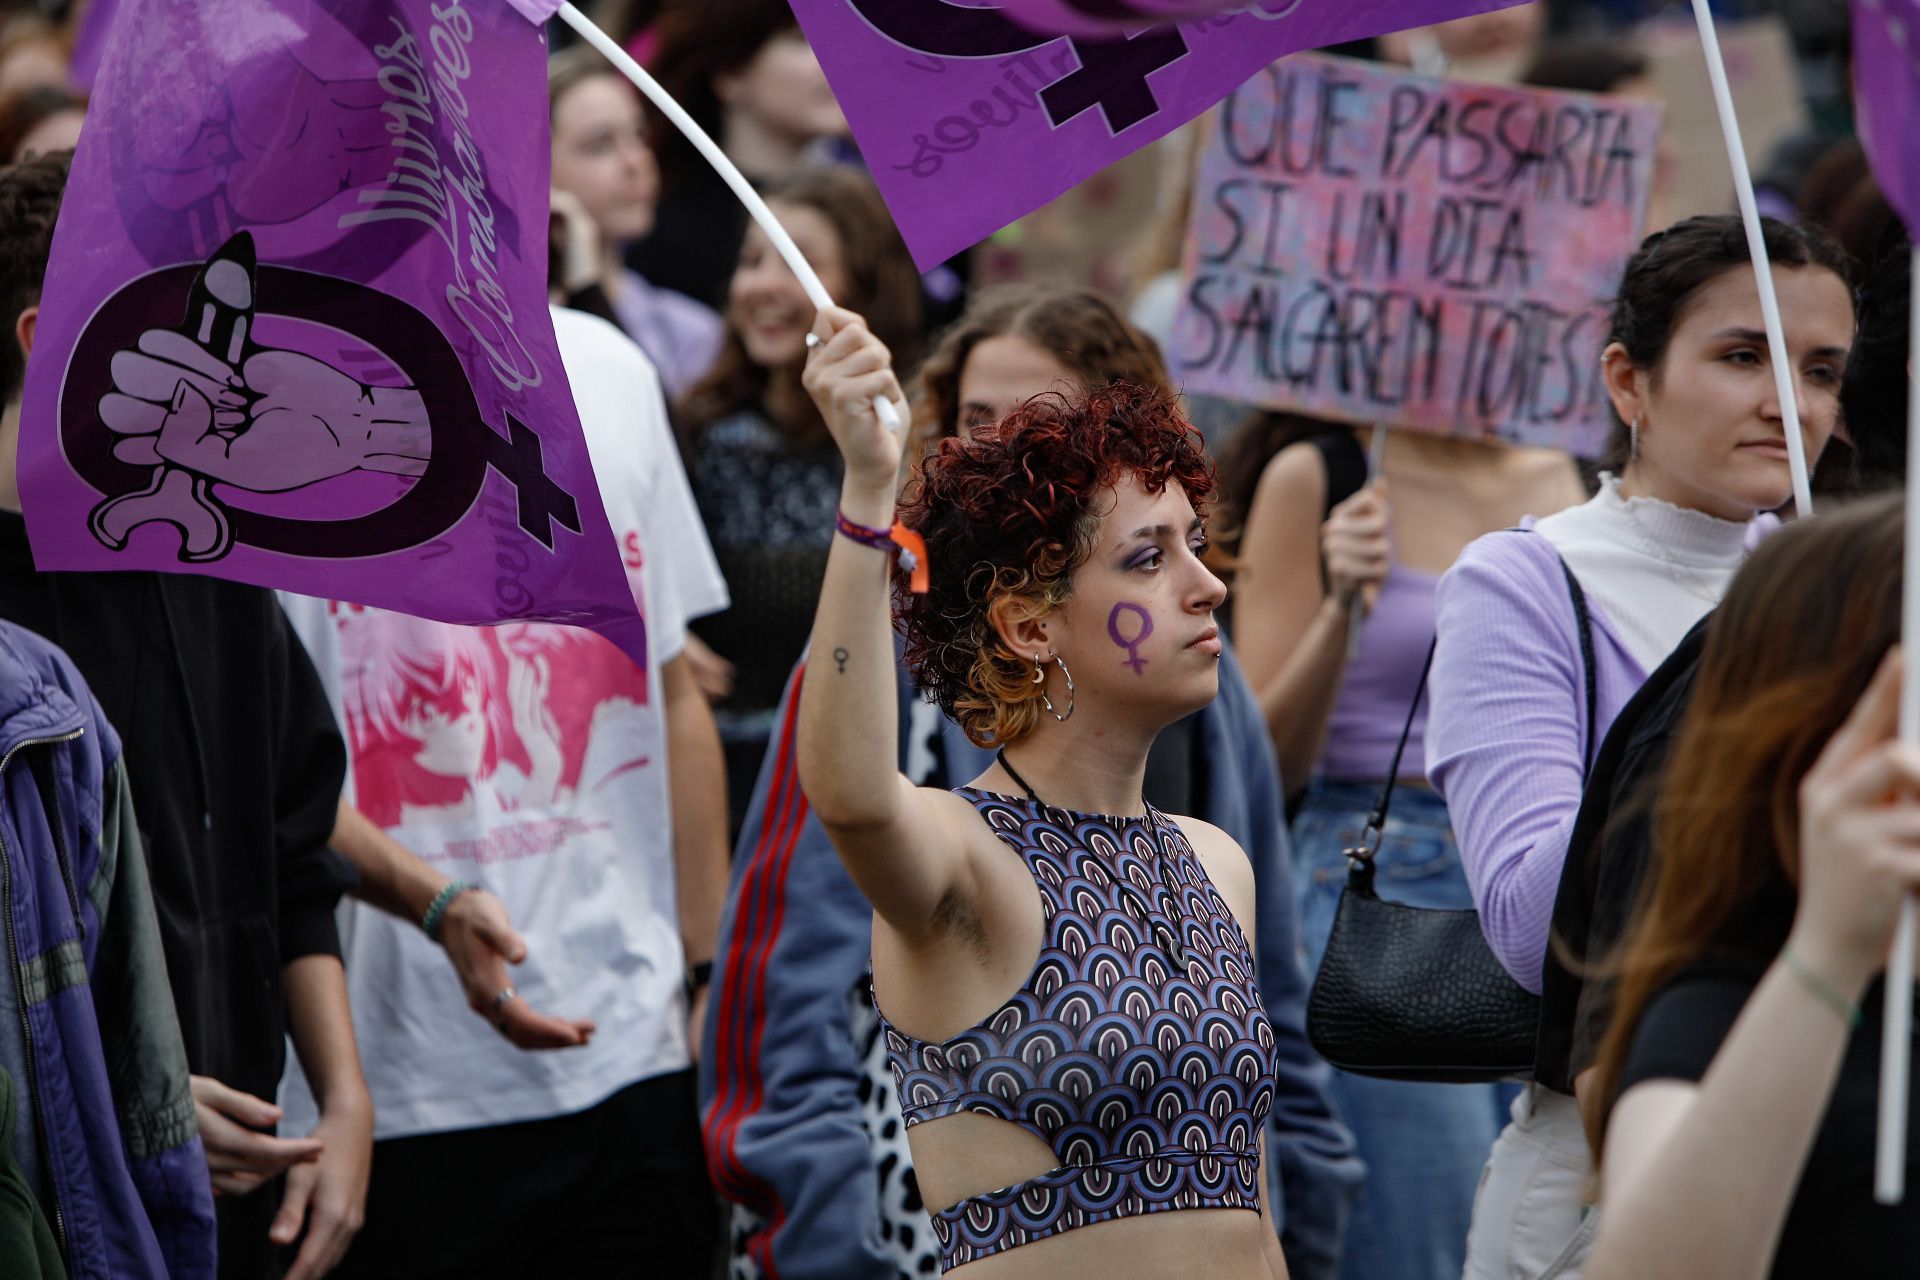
(1424, 1144)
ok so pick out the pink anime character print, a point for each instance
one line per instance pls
(484, 727)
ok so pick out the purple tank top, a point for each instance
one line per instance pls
(1138, 1049)
(1380, 683)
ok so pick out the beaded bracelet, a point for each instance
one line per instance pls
(1818, 987)
(912, 548)
(437, 910)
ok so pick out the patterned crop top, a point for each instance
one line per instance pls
(1138, 1049)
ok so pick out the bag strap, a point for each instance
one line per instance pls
(1583, 618)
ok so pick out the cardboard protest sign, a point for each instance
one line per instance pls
(1374, 246)
(295, 327)
(969, 120)
(1886, 78)
(1764, 77)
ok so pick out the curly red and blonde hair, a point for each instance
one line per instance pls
(1012, 513)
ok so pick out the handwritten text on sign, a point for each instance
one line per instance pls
(1379, 247)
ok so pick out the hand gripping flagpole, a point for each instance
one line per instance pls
(1756, 242)
(1896, 1048)
(728, 171)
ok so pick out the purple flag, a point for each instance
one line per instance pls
(537, 10)
(971, 121)
(1886, 79)
(1107, 17)
(295, 328)
(91, 42)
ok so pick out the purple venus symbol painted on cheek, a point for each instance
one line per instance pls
(1133, 642)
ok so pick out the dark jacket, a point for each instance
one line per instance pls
(104, 1126)
(1607, 859)
(26, 1238)
(781, 1076)
(236, 768)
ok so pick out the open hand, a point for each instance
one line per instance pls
(239, 1157)
(328, 1198)
(480, 943)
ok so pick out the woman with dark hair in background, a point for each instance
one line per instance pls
(1736, 1093)
(764, 469)
(746, 73)
(1545, 632)
(605, 175)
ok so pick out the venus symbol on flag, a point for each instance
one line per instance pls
(970, 120)
(314, 352)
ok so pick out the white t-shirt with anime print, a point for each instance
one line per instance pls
(530, 759)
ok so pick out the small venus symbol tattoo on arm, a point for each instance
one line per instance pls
(840, 656)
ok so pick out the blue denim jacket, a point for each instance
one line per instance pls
(779, 1070)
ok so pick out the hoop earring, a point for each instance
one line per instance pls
(1049, 701)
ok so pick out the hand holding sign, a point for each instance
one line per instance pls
(1354, 544)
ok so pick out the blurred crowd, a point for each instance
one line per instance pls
(575, 984)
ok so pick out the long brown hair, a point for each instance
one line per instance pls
(1077, 327)
(882, 286)
(1793, 646)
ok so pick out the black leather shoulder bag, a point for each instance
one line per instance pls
(1410, 993)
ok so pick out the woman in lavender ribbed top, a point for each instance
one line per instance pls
(1379, 684)
(1337, 719)
(1508, 738)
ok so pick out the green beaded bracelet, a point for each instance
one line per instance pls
(1822, 990)
(430, 923)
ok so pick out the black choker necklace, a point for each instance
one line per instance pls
(1169, 925)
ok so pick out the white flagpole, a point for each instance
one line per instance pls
(1769, 301)
(728, 171)
(1896, 1056)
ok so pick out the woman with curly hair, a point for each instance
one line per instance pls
(803, 1128)
(1064, 971)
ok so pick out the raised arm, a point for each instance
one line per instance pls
(895, 844)
(1291, 627)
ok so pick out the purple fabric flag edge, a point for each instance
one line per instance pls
(881, 58)
(536, 11)
(486, 530)
(1068, 18)
(1886, 53)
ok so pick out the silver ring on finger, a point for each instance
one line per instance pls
(813, 340)
(506, 997)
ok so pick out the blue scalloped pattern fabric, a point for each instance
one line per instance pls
(1138, 1050)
